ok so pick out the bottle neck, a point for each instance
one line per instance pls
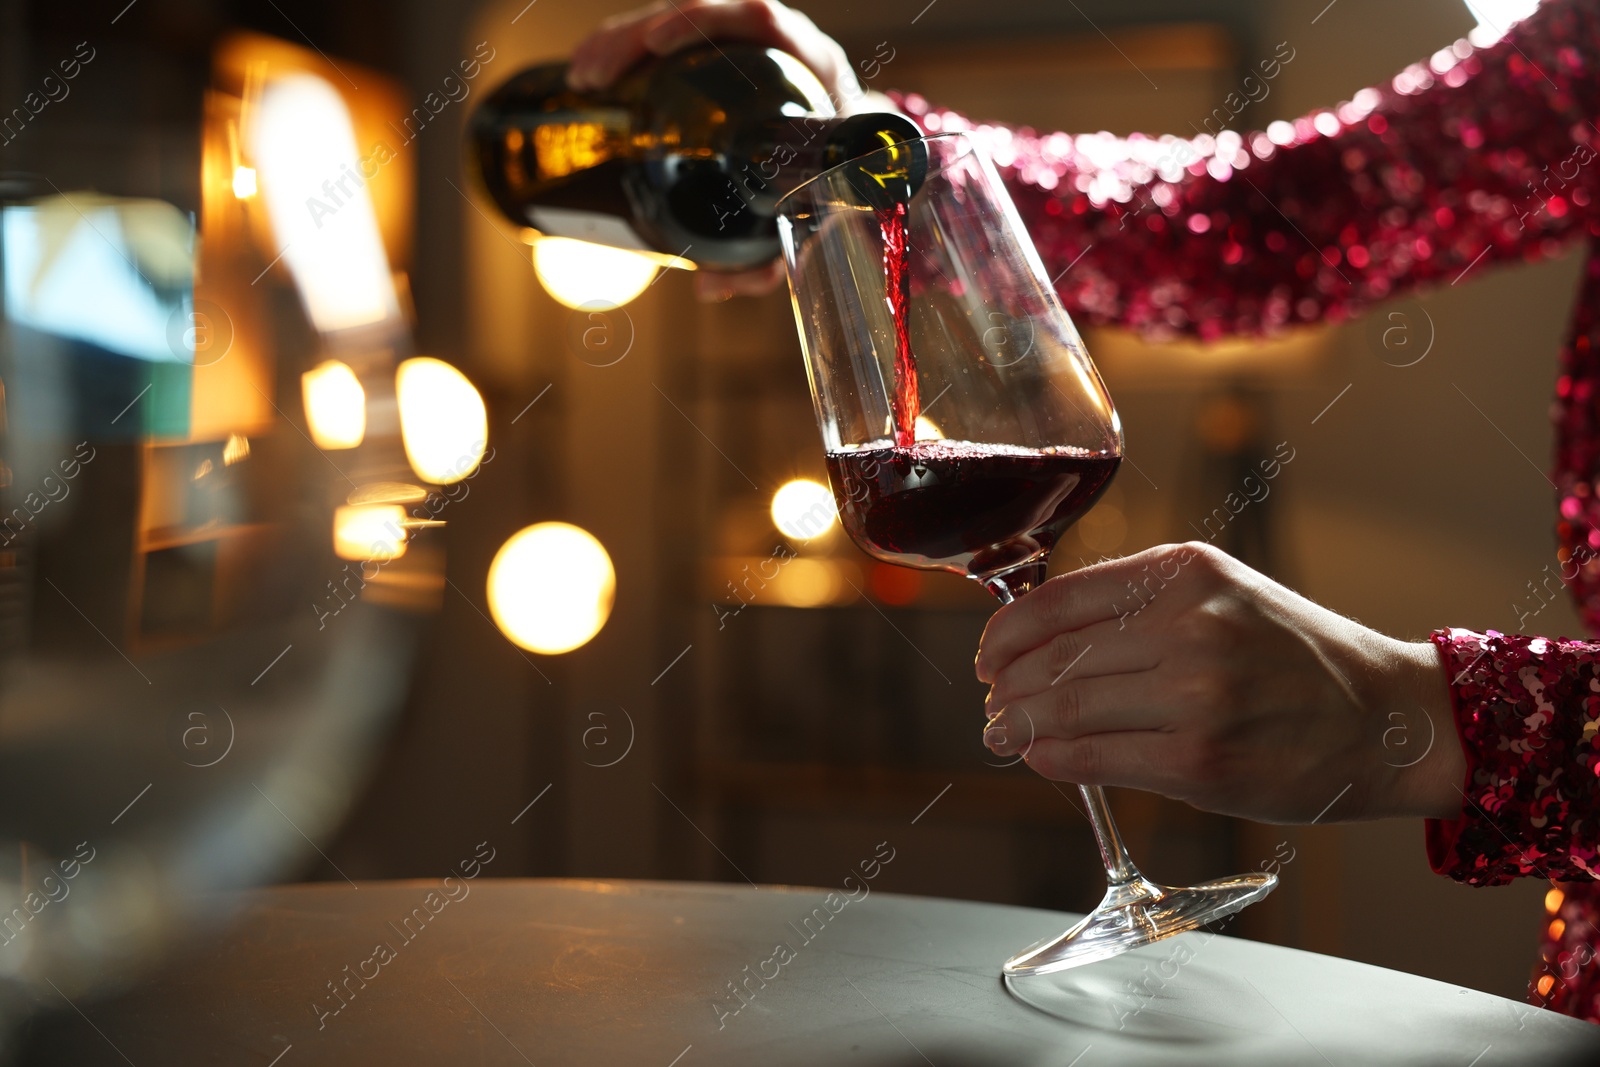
(785, 153)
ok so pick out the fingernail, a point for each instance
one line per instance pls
(994, 738)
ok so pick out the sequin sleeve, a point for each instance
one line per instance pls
(1469, 158)
(1527, 710)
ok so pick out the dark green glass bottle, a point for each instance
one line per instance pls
(687, 155)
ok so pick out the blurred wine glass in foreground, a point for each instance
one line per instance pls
(211, 579)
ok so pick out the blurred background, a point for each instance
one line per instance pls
(711, 689)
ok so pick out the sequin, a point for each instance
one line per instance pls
(1427, 179)
(1474, 158)
(1523, 707)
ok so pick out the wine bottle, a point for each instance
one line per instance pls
(685, 156)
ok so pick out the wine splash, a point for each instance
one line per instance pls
(906, 403)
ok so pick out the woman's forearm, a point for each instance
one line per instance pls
(1481, 158)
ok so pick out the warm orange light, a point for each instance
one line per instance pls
(894, 585)
(581, 274)
(1557, 928)
(1104, 528)
(336, 405)
(246, 68)
(806, 583)
(369, 531)
(925, 429)
(1546, 983)
(244, 182)
(303, 145)
(1553, 899)
(551, 586)
(562, 149)
(443, 422)
(803, 509)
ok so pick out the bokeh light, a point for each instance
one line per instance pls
(328, 237)
(581, 274)
(807, 583)
(894, 585)
(336, 405)
(235, 449)
(443, 422)
(1496, 16)
(551, 586)
(369, 531)
(803, 509)
(1104, 528)
(925, 429)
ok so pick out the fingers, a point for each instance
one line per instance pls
(694, 23)
(1079, 707)
(825, 56)
(667, 27)
(711, 285)
(1066, 602)
(1137, 759)
(1118, 590)
(617, 45)
(762, 22)
(1102, 649)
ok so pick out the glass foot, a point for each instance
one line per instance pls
(1138, 913)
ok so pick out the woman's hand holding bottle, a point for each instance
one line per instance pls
(663, 28)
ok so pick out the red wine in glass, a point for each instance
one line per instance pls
(975, 509)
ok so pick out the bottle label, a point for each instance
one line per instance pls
(586, 226)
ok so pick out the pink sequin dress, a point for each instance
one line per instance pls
(1471, 158)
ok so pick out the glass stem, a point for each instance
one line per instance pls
(1120, 870)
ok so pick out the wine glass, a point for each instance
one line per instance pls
(965, 427)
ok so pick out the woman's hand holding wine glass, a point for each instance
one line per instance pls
(1182, 671)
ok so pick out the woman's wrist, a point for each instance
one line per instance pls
(1423, 765)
